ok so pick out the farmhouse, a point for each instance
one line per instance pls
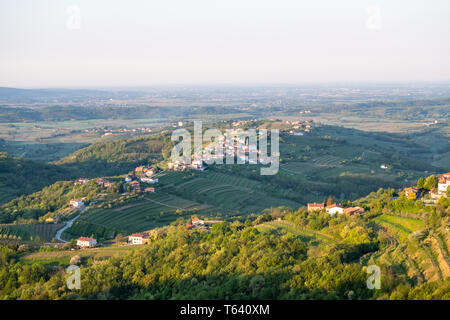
(81, 181)
(444, 182)
(197, 222)
(76, 204)
(85, 242)
(332, 209)
(353, 210)
(412, 193)
(139, 238)
(315, 206)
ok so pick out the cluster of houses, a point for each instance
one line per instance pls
(180, 165)
(100, 181)
(411, 193)
(103, 182)
(242, 122)
(144, 174)
(109, 131)
(234, 143)
(299, 127)
(334, 209)
(414, 193)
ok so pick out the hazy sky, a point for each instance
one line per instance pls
(140, 43)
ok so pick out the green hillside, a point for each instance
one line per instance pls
(118, 156)
(19, 176)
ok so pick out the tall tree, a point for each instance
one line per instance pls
(330, 201)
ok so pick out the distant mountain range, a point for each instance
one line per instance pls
(29, 95)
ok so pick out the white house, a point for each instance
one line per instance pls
(334, 208)
(85, 242)
(149, 180)
(444, 182)
(76, 204)
(138, 238)
(197, 222)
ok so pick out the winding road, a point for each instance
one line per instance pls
(68, 225)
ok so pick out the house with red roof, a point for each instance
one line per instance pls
(85, 242)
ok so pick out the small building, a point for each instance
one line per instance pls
(315, 206)
(149, 189)
(76, 204)
(332, 209)
(149, 180)
(81, 181)
(412, 193)
(85, 242)
(128, 179)
(444, 182)
(353, 210)
(197, 222)
(139, 238)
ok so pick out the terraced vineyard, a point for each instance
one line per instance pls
(228, 194)
(419, 254)
(402, 227)
(31, 231)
